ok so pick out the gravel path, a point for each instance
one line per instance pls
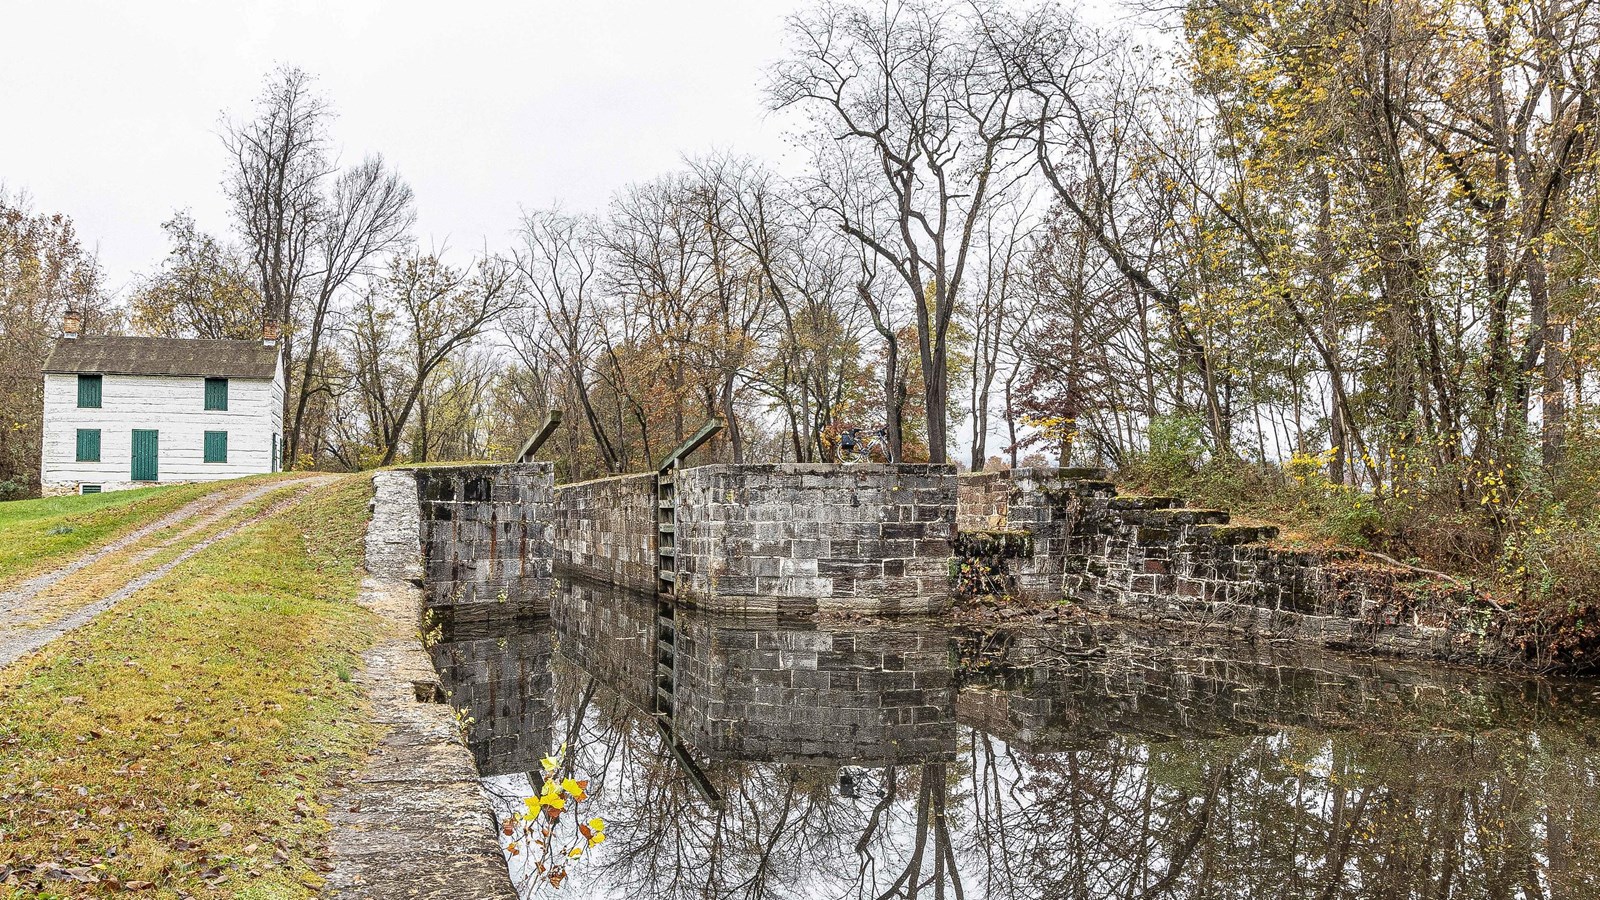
(17, 640)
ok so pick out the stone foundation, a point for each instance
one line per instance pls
(71, 488)
(874, 539)
(486, 534)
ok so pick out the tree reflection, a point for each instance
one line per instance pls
(1293, 813)
(1131, 771)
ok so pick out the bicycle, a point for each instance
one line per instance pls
(857, 445)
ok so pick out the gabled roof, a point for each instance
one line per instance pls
(163, 356)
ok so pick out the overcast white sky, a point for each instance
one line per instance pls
(111, 108)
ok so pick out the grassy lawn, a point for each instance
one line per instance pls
(179, 744)
(35, 534)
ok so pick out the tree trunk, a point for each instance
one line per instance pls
(894, 397)
(735, 436)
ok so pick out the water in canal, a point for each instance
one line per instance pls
(769, 758)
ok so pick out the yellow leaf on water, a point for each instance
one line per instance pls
(573, 788)
(549, 764)
(575, 852)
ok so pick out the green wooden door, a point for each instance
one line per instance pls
(145, 455)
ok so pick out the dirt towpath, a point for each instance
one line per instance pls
(30, 614)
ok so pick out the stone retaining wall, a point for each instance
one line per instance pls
(606, 529)
(486, 533)
(1069, 535)
(983, 500)
(411, 819)
(801, 537)
(1024, 517)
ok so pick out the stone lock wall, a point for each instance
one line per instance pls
(485, 532)
(606, 529)
(610, 634)
(1022, 519)
(801, 537)
(1156, 559)
(771, 688)
(983, 500)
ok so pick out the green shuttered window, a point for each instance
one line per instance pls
(216, 446)
(88, 445)
(88, 391)
(217, 393)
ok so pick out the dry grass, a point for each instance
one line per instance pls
(183, 739)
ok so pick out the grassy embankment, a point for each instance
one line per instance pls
(1524, 541)
(40, 534)
(178, 745)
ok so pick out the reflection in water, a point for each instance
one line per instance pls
(862, 759)
(494, 660)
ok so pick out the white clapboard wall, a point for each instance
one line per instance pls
(173, 405)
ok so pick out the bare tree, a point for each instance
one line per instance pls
(919, 94)
(559, 260)
(280, 158)
(369, 216)
(413, 322)
(991, 312)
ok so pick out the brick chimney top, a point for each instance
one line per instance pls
(72, 323)
(271, 332)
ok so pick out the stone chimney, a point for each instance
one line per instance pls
(271, 332)
(72, 324)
